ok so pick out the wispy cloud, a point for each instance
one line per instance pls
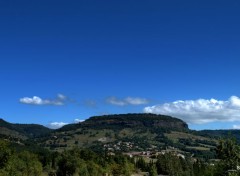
(90, 103)
(200, 111)
(115, 101)
(136, 101)
(127, 101)
(35, 100)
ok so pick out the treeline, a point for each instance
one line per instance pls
(84, 162)
(172, 164)
(77, 162)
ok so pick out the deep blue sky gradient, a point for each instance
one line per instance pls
(90, 50)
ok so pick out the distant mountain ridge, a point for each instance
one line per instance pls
(121, 132)
(23, 130)
(120, 121)
(131, 120)
(138, 120)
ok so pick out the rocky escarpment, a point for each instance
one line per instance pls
(135, 121)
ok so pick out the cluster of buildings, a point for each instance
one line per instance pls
(132, 150)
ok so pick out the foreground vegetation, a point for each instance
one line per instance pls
(84, 162)
(72, 162)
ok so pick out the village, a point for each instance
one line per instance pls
(132, 150)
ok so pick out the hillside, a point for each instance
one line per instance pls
(122, 133)
(130, 132)
(22, 131)
(134, 121)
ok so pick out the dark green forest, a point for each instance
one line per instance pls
(17, 161)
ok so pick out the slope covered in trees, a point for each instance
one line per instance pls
(130, 132)
(85, 162)
(23, 130)
(119, 133)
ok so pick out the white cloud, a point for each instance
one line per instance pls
(200, 111)
(56, 125)
(35, 100)
(78, 120)
(237, 127)
(127, 101)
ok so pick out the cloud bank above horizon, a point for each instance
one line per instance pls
(200, 111)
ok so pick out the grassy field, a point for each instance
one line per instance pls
(175, 136)
(199, 148)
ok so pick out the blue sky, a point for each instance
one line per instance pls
(85, 58)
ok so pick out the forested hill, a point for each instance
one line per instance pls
(140, 131)
(22, 130)
(140, 135)
(134, 121)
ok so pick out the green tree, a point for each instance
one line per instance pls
(152, 170)
(82, 169)
(116, 169)
(5, 153)
(229, 153)
(141, 164)
(171, 164)
(67, 164)
(23, 164)
(29, 164)
(94, 169)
